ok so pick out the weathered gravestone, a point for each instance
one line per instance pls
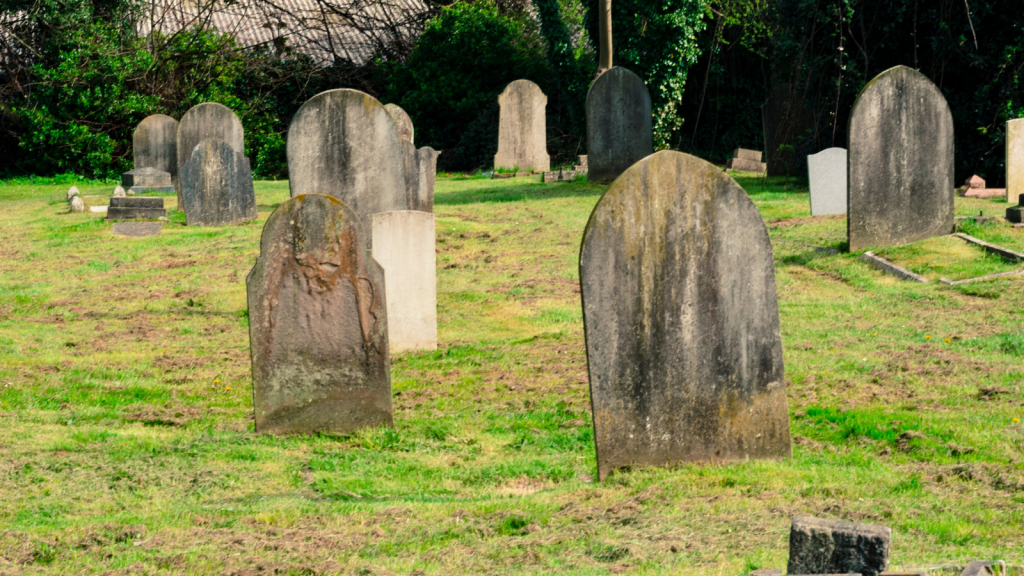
(155, 144)
(402, 122)
(318, 330)
(147, 179)
(1014, 160)
(72, 192)
(207, 121)
(403, 245)
(77, 204)
(420, 170)
(522, 128)
(343, 143)
(216, 186)
(900, 162)
(820, 546)
(136, 208)
(826, 172)
(618, 124)
(681, 320)
(746, 161)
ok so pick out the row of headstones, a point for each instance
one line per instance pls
(619, 132)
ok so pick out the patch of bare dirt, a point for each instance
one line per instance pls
(164, 416)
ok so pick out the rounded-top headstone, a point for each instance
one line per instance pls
(119, 192)
(77, 204)
(318, 322)
(402, 122)
(826, 174)
(681, 320)
(208, 120)
(72, 192)
(522, 128)
(618, 124)
(155, 144)
(216, 186)
(900, 162)
(344, 144)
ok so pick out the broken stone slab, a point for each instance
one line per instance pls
(98, 209)
(560, 176)
(318, 324)
(745, 154)
(137, 229)
(891, 267)
(821, 546)
(1011, 255)
(136, 208)
(983, 192)
(522, 128)
(949, 282)
(501, 175)
(766, 572)
(977, 568)
(147, 179)
(119, 192)
(583, 159)
(746, 165)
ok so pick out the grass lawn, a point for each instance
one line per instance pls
(126, 434)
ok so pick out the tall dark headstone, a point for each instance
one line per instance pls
(216, 186)
(343, 143)
(318, 322)
(205, 121)
(155, 144)
(618, 124)
(681, 320)
(900, 158)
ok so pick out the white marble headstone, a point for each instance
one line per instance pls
(827, 173)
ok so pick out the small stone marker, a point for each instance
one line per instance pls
(1014, 160)
(216, 186)
(900, 162)
(136, 208)
(77, 204)
(976, 182)
(98, 209)
(147, 179)
(819, 546)
(978, 568)
(402, 122)
(119, 192)
(72, 192)
(618, 124)
(684, 347)
(202, 122)
(522, 128)
(403, 245)
(343, 143)
(746, 161)
(137, 229)
(560, 176)
(826, 172)
(155, 144)
(974, 187)
(318, 329)
(420, 183)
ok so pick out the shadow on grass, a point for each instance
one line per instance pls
(520, 192)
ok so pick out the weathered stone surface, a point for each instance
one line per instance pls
(891, 267)
(420, 181)
(618, 124)
(136, 208)
(560, 176)
(583, 159)
(208, 120)
(978, 568)
(216, 186)
(137, 229)
(77, 204)
(745, 154)
(746, 165)
(72, 192)
(402, 122)
(900, 162)
(155, 144)
(403, 245)
(826, 172)
(522, 128)
(318, 329)
(119, 192)
(975, 182)
(98, 209)
(147, 179)
(343, 143)
(1014, 160)
(786, 121)
(681, 319)
(819, 546)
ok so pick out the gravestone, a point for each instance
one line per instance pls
(403, 245)
(522, 128)
(746, 161)
(618, 124)
(402, 122)
(318, 330)
(147, 179)
(155, 144)
(826, 172)
(119, 192)
(974, 187)
(202, 122)
(900, 162)
(788, 131)
(216, 186)
(77, 204)
(136, 208)
(343, 143)
(681, 320)
(820, 546)
(1014, 160)
(421, 195)
(72, 192)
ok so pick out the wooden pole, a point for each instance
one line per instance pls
(605, 24)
